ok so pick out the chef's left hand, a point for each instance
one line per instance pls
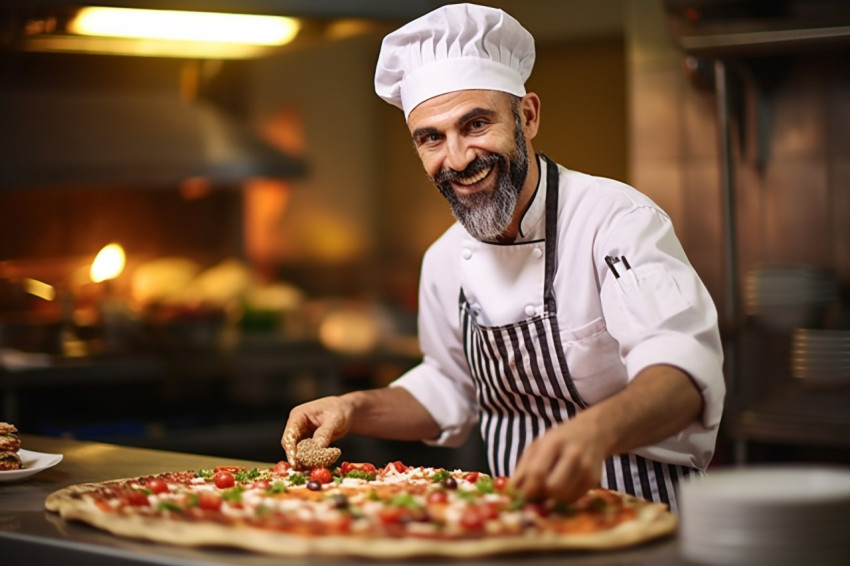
(561, 464)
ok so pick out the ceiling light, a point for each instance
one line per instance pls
(171, 25)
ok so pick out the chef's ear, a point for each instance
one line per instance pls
(529, 109)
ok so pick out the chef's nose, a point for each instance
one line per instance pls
(458, 153)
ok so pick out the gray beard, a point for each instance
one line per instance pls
(486, 216)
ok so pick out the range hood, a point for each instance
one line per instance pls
(126, 139)
(745, 28)
(58, 130)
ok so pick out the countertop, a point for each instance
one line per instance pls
(30, 536)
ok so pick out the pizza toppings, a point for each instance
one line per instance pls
(395, 500)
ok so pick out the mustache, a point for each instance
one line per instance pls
(477, 165)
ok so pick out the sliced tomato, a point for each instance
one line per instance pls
(471, 519)
(437, 497)
(398, 466)
(321, 475)
(224, 479)
(471, 477)
(500, 483)
(364, 467)
(156, 485)
(135, 498)
(282, 467)
(209, 501)
(261, 484)
(490, 510)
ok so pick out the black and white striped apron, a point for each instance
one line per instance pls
(524, 386)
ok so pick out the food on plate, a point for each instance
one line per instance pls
(359, 510)
(9, 460)
(9, 446)
(9, 441)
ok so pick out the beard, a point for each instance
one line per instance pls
(486, 215)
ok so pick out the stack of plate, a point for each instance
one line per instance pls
(789, 297)
(821, 356)
(767, 515)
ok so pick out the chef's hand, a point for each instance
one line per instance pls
(325, 420)
(561, 464)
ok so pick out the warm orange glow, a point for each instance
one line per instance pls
(108, 264)
(264, 204)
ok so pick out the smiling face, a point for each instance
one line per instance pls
(474, 145)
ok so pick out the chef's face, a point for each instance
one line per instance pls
(473, 148)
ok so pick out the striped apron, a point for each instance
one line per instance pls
(523, 385)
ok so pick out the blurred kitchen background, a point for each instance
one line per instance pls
(195, 237)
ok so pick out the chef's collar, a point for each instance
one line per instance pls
(532, 225)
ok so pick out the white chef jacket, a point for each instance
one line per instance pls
(657, 312)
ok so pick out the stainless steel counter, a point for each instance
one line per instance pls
(31, 536)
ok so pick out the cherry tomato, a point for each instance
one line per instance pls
(398, 466)
(209, 501)
(231, 469)
(490, 510)
(223, 480)
(262, 484)
(321, 475)
(135, 498)
(364, 467)
(156, 485)
(471, 519)
(282, 467)
(391, 514)
(437, 497)
(500, 483)
(471, 477)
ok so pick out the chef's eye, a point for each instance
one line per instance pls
(428, 139)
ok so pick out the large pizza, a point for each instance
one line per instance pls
(357, 509)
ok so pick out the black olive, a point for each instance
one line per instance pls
(313, 485)
(338, 501)
(450, 483)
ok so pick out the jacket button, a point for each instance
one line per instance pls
(466, 253)
(529, 310)
(537, 253)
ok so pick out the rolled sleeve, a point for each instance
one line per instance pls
(701, 363)
(446, 402)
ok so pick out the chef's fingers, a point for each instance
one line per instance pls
(571, 476)
(532, 470)
(331, 428)
(296, 430)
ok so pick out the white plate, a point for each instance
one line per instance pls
(33, 462)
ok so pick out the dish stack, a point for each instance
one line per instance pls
(784, 298)
(767, 516)
(821, 357)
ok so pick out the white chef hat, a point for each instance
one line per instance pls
(455, 47)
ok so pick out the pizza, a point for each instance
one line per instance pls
(357, 510)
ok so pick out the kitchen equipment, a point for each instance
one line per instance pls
(767, 515)
(787, 297)
(821, 357)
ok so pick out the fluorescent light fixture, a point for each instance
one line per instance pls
(171, 25)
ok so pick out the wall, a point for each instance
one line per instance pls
(791, 207)
(367, 185)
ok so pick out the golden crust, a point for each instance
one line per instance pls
(653, 521)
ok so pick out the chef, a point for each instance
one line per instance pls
(559, 314)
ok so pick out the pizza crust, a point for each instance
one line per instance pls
(653, 521)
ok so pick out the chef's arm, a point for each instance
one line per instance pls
(660, 402)
(567, 461)
(389, 412)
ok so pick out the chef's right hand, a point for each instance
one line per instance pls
(326, 420)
